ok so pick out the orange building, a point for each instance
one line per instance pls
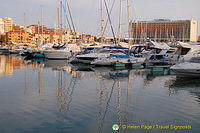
(86, 38)
(18, 36)
(38, 29)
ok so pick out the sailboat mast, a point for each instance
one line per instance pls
(128, 12)
(101, 18)
(120, 19)
(25, 26)
(58, 18)
(61, 25)
(183, 33)
(110, 21)
(42, 23)
(65, 14)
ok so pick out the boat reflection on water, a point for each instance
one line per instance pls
(67, 86)
(188, 84)
(56, 64)
(161, 71)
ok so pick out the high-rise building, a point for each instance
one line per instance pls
(165, 30)
(1, 26)
(8, 24)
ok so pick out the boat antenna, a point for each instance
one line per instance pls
(110, 21)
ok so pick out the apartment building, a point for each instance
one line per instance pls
(8, 24)
(1, 26)
(165, 30)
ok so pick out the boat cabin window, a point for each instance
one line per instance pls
(184, 51)
(156, 57)
(139, 49)
(157, 51)
(170, 51)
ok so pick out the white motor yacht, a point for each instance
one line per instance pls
(112, 59)
(189, 68)
(103, 53)
(62, 54)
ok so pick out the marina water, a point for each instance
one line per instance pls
(55, 96)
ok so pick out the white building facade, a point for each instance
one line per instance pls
(1, 26)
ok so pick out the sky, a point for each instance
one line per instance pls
(86, 13)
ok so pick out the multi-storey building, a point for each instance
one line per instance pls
(46, 35)
(41, 38)
(87, 38)
(8, 24)
(18, 36)
(58, 37)
(1, 26)
(18, 27)
(164, 30)
(65, 35)
(38, 29)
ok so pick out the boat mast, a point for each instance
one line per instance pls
(61, 25)
(101, 18)
(110, 21)
(120, 19)
(128, 12)
(58, 18)
(25, 26)
(42, 24)
(65, 14)
(65, 27)
(183, 33)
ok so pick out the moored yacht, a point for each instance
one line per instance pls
(119, 58)
(189, 68)
(103, 53)
(191, 63)
(62, 54)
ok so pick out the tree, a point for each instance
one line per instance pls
(2, 39)
(199, 39)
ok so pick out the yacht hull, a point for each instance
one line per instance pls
(187, 69)
(57, 55)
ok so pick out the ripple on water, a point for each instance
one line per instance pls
(96, 101)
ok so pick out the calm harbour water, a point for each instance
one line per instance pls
(53, 96)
